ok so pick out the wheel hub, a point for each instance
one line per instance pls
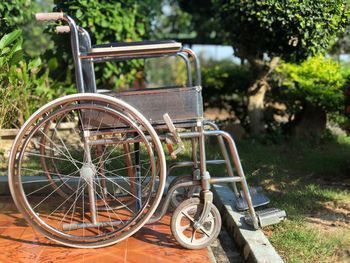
(87, 171)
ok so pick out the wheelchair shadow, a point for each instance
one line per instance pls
(31, 241)
(160, 237)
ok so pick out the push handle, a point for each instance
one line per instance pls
(62, 29)
(49, 16)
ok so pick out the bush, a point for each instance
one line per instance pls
(24, 86)
(318, 81)
(224, 86)
(13, 14)
(109, 21)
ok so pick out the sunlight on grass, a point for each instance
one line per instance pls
(297, 243)
(306, 179)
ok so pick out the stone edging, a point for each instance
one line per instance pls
(254, 244)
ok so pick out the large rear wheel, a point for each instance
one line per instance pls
(87, 170)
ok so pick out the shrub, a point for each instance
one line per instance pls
(318, 81)
(23, 85)
(224, 86)
(13, 14)
(109, 21)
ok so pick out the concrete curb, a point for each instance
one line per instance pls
(254, 244)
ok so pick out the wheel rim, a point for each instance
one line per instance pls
(103, 234)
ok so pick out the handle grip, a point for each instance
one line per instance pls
(49, 16)
(62, 29)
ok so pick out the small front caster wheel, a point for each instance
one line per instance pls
(182, 224)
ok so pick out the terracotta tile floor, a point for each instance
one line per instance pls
(154, 243)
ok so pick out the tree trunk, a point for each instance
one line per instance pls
(256, 94)
(310, 122)
(256, 110)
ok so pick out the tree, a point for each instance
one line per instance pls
(175, 22)
(262, 32)
(13, 14)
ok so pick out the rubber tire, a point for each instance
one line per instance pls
(178, 212)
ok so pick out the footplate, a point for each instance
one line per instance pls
(258, 199)
(267, 217)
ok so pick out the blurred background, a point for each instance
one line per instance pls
(276, 74)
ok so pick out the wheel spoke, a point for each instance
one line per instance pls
(54, 150)
(188, 216)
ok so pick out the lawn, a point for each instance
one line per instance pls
(308, 179)
(311, 181)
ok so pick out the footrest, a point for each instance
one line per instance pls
(267, 217)
(270, 216)
(258, 199)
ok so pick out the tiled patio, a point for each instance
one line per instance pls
(154, 243)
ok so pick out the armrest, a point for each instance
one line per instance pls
(135, 48)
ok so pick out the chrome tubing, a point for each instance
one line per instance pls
(196, 65)
(75, 52)
(225, 155)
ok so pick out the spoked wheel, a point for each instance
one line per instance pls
(51, 165)
(87, 170)
(184, 193)
(182, 224)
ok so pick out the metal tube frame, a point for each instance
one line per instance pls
(188, 68)
(75, 52)
(198, 133)
(225, 156)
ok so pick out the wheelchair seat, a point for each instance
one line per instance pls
(135, 48)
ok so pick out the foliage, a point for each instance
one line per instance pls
(262, 32)
(318, 80)
(12, 14)
(224, 86)
(23, 85)
(166, 71)
(109, 21)
(20, 15)
(175, 23)
(291, 29)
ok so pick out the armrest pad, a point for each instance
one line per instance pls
(136, 48)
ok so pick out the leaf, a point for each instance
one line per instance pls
(34, 63)
(9, 38)
(16, 57)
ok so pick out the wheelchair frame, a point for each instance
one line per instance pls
(194, 129)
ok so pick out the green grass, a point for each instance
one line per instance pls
(299, 244)
(304, 178)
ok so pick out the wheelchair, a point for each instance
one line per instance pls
(89, 170)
